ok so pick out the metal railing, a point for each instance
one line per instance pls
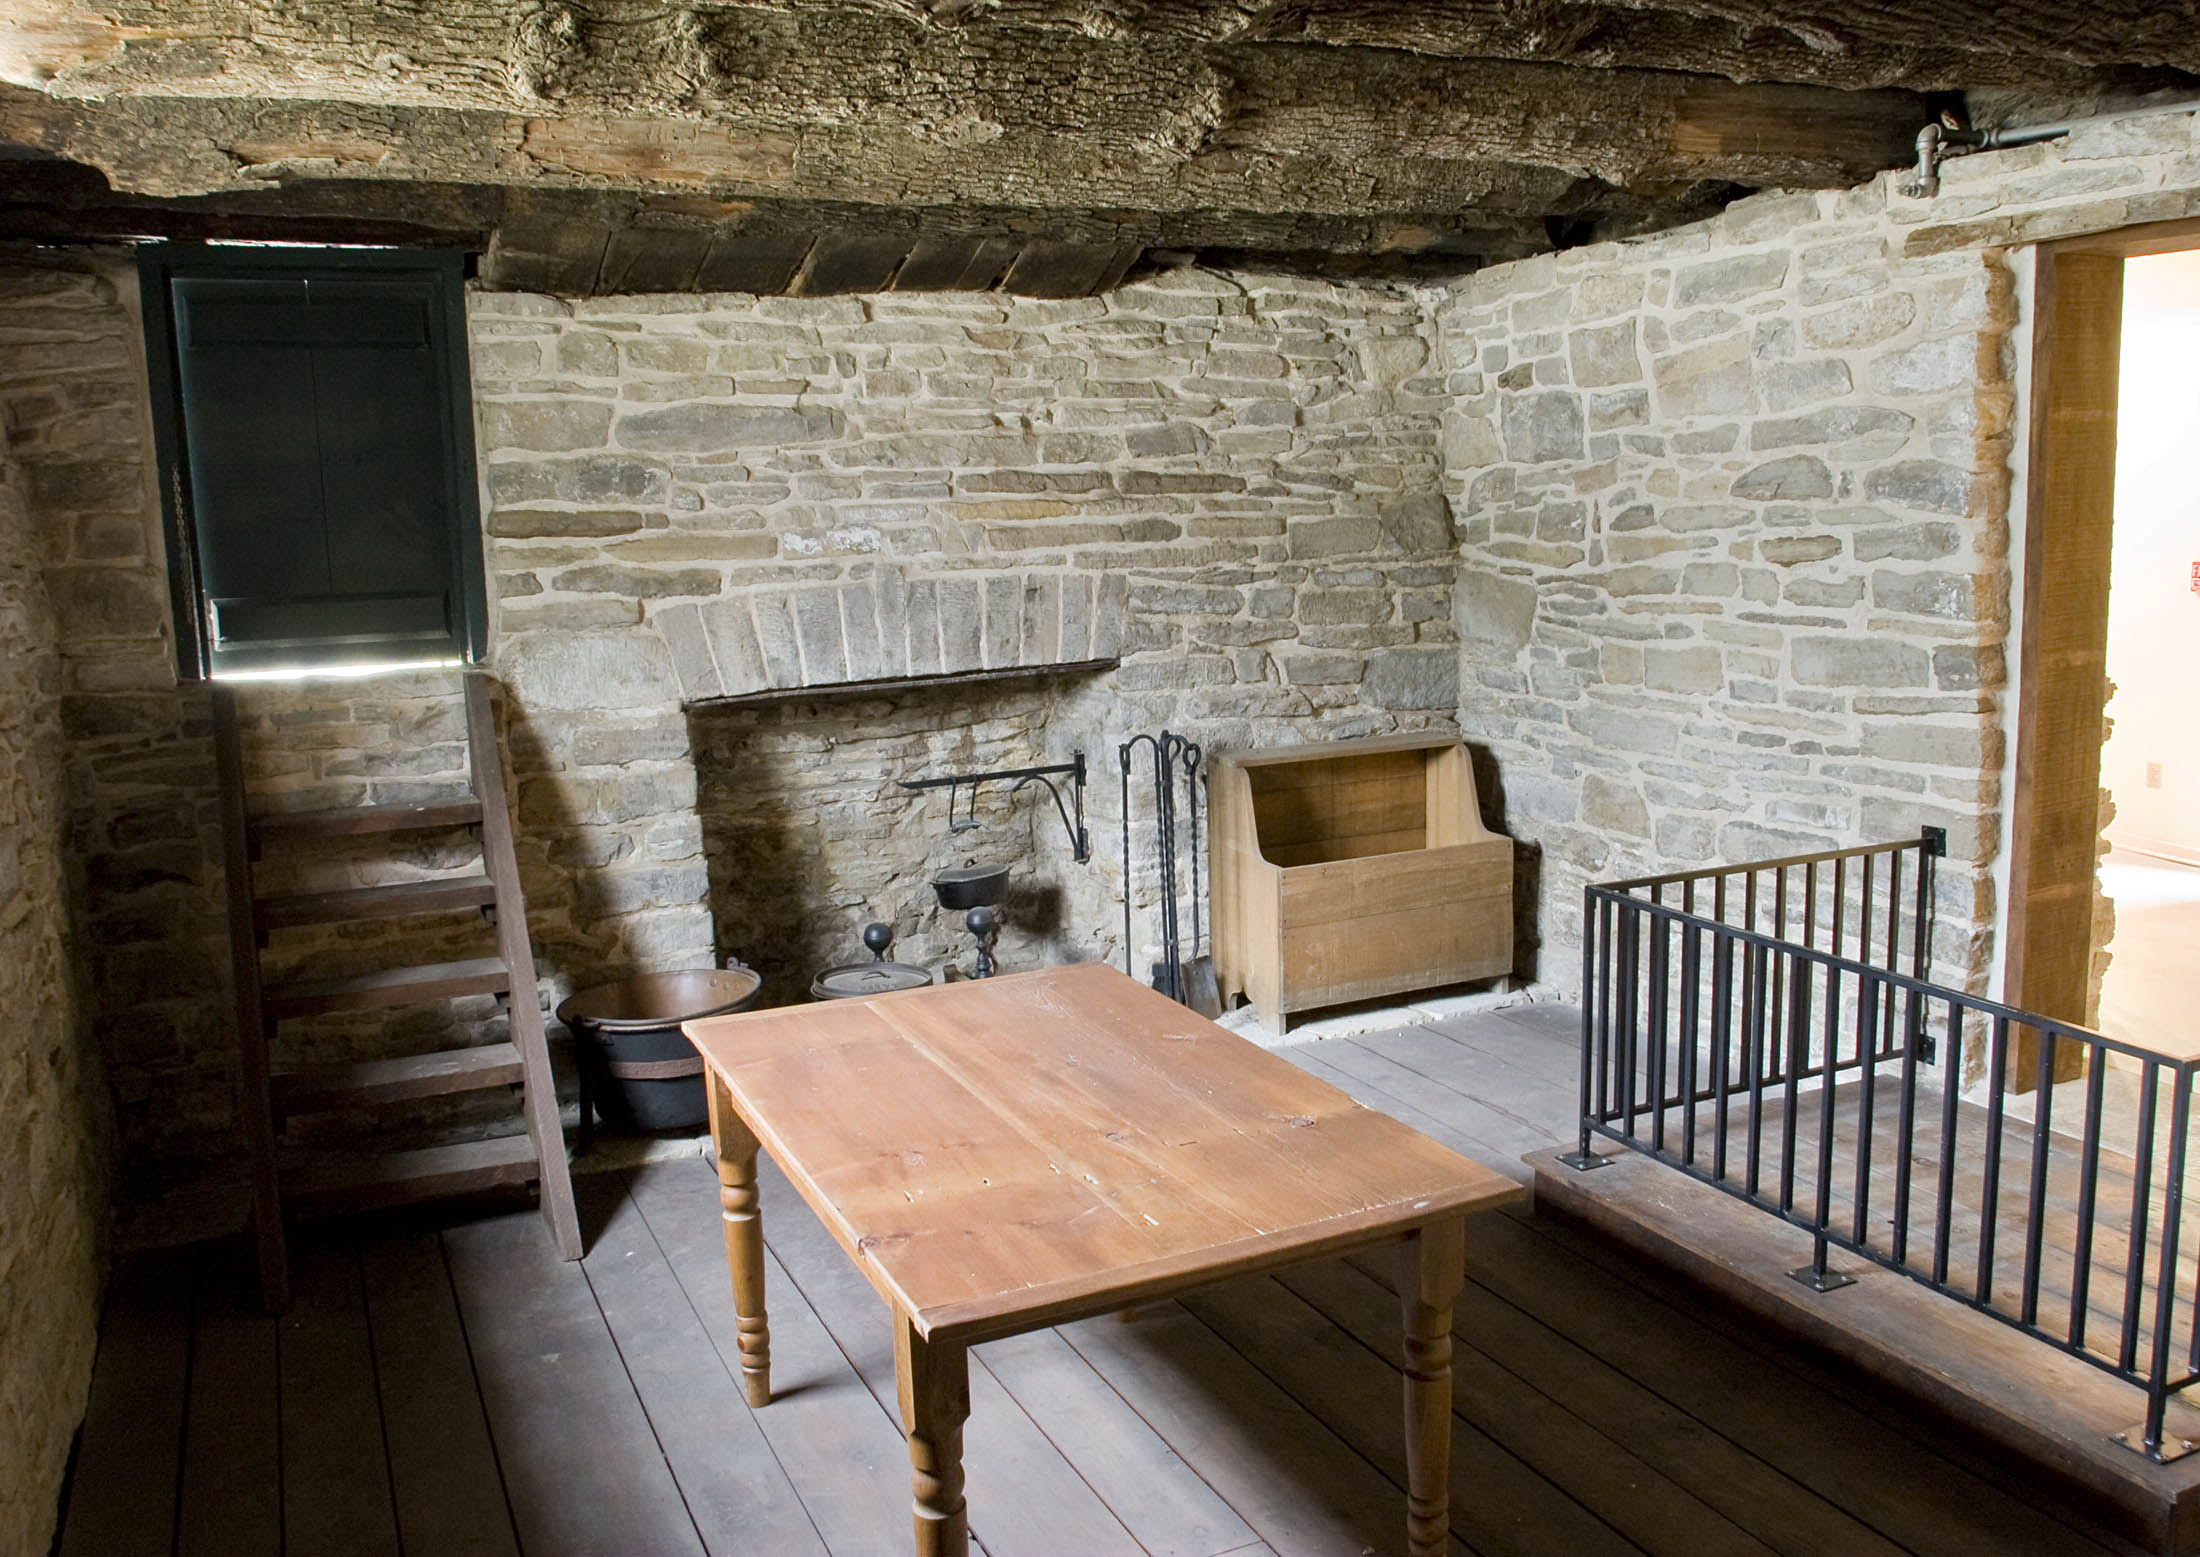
(1773, 1029)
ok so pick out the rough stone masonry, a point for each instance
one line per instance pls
(1735, 520)
(1240, 473)
(54, 1155)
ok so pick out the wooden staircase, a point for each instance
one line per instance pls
(284, 1179)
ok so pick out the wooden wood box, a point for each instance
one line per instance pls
(1354, 869)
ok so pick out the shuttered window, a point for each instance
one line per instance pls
(313, 419)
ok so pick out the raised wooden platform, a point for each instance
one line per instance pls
(1970, 1370)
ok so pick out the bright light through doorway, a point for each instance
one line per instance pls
(2151, 763)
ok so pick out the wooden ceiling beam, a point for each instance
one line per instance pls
(1277, 128)
(541, 49)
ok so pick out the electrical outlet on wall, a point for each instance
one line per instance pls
(2154, 775)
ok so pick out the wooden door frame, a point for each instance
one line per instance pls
(2061, 691)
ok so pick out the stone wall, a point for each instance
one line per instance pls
(54, 1156)
(1240, 474)
(143, 839)
(1735, 506)
(1229, 481)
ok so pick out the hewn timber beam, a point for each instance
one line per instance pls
(860, 104)
(1837, 43)
(283, 47)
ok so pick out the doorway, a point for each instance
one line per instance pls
(2150, 763)
(2089, 397)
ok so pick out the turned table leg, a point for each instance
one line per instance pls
(1430, 1273)
(934, 1380)
(736, 1148)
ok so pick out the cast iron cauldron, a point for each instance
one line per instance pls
(631, 1039)
(973, 886)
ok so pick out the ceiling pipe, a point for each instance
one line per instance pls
(1937, 142)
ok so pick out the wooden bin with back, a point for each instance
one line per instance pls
(1354, 869)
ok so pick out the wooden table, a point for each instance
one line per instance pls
(1005, 1154)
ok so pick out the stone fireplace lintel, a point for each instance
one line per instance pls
(889, 627)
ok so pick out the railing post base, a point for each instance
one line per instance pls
(1821, 1280)
(2172, 1448)
(1582, 1161)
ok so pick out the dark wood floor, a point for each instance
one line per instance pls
(453, 1389)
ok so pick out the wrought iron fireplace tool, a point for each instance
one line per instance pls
(1189, 980)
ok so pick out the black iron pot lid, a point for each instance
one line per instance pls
(858, 980)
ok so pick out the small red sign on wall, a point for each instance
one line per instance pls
(2196, 578)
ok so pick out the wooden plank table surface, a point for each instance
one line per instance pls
(1005, 1154)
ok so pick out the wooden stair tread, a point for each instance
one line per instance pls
(327, 1183)
(372, 1082)
(448, 894)
(344, 821)
(389, 987)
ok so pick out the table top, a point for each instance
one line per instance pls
(1003, 1153)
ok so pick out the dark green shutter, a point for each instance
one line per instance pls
(325, 461)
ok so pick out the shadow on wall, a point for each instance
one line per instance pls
(809, 836)
(1489, 793)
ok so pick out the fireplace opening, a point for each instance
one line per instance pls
(809, 835)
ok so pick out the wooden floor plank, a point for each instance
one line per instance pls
(1025, 1499)
(1517, 1068)
(845, 1456)
(1848, 1455)
(1601, 1472)
(1368, 1078)
(122, 1494)
(1501, 1506)
(336, 1477)
(1543, 1107)
(1145, 1483)
(1556, 1022)
(1302, 1488)
(444, 1476)
(735, 1487)
(1693, 1454)
(546, 1362)
(232, 1494)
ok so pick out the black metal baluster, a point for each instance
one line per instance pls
(1905, 1128)
(1799, 1059)
(1606, 996)
(2089, 1187)
(1864, 927)
(1591, 1058)
(1840, 916)
(1894, 948)
(1754, 959)
(1815, 1275)
(1943, 1214)
(2165, 1269)
(1997, 1072)
(1749, 964)
(1722, 1040)
(1777, 1040)
(1629, 996)
(2142, 1192)
(1921, 925)
(1799, 1056)
(2035, 1231)
(1867, 1044)
(1929, 845)
(1691, 1021)
(1659, 1022)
